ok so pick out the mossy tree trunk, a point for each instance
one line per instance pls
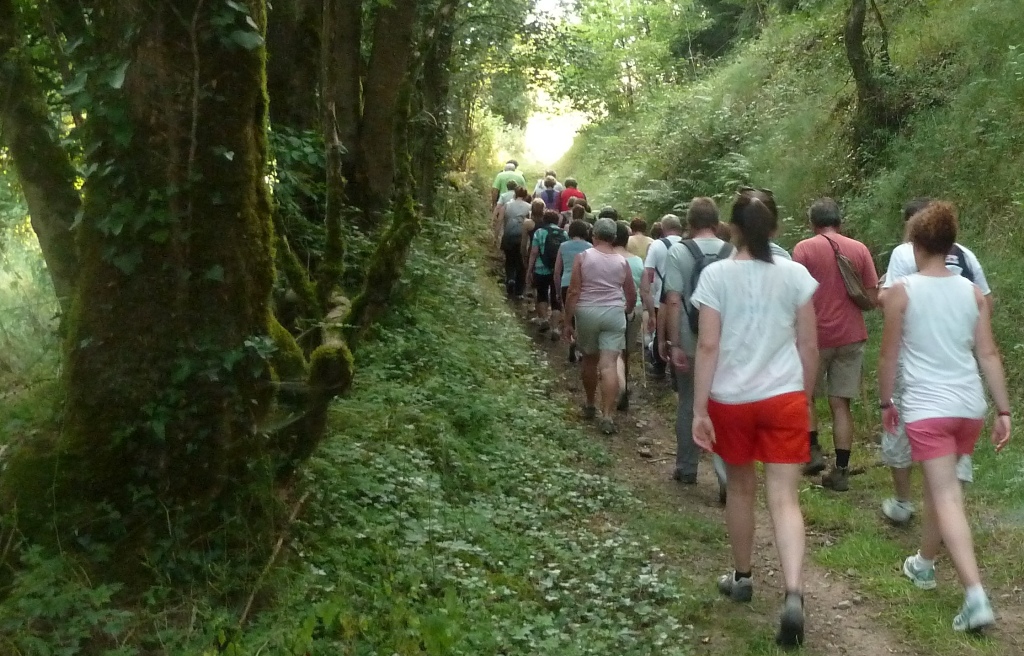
(877, 109)
(43, 166)
(167, 373)
(293, 63)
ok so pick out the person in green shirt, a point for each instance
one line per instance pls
(501, 180)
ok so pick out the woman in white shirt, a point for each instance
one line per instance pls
(936, 323)
(756, 362)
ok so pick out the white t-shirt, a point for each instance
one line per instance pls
(656, 256)
(902, 264)
(940, 374)
(758, 301)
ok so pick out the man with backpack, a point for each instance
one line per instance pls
(653, 282)
(842, 333)
(685, 262)
(551, 195)
(540, 271)
(895, 446)
(542, 184)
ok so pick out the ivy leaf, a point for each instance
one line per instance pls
(76, 85)
(116, 79)
(127, 262)
(215, 273)
(248, 40)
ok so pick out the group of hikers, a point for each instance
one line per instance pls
(750, 336)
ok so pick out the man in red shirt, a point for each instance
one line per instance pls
(841, 332)
(571, 191)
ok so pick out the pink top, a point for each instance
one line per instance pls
(603, 277)
(840, 321)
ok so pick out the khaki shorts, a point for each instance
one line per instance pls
(600, 329)
(839, 371)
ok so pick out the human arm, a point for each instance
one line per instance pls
(991, 365)
(868, 275)
(498, 222)
(893, 311)
(807, 345)
(646, 297)
(534, 252)
(629, 288)
(705, 363)
(573, 296)
(671, 308)
(559, 265)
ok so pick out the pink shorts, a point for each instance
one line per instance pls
(943, 436)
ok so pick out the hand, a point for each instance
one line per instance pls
(1001, 433)
(652, 322)
(679, 359)
(891, 419)
(703, 432)
(529, 280)
(567, 332)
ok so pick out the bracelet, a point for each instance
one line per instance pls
(885, 405)
(1003, 413)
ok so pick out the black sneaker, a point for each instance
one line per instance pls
(739, 591)
(791, 622)
(623, 405)
(685, 479)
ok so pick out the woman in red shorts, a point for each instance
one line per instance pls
(936, 324)
(757, 357)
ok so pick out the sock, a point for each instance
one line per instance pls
(924, 563)
(842, 458)
(742, 575)
(813, 437)
(975, 595)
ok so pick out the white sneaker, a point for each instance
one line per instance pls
(896, 511)
(974, 617)
(965, 469)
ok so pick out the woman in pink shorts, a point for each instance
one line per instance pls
(937, 325)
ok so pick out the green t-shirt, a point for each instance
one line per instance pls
(501, 180)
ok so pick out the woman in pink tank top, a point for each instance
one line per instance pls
(600, 290)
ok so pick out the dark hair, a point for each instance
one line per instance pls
(656, 231)
(702, 214)
(638, 225)
(579, 210)
(912, 207)
(570, 183)
(825, 213)
(609, 212)
(579, 229)
(513, 163)
(934, 228)
(621, 234)
(551, 217)
(521, 192)
(511, 185)
(755, 222)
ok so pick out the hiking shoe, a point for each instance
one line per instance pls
(685, 479)
(589, 412)
(791, 622)
(838, 479)
(816, 464)
(739, 591)
(896, 511)
(608, 426)
(923, 577)
(965, 469)
(623, 404)
(974, 617)
(556, 335)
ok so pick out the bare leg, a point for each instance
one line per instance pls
(609, 382)
(620, 370)
(944, 492)
(588, 371)
(739, 513)
(842, 422)
(784, 507)
(901, 483)
(542, 311)
(931, 539)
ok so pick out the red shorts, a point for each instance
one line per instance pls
(773, 430)
(943, 436)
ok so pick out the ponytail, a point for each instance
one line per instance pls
(756, 223)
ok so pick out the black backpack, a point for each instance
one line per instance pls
(554, 238)
(700, 260)
(956, 257)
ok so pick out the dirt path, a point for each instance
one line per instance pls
(840, 619)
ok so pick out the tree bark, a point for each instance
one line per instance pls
(343, 33)
(293, 63)
(434, 87)
(388, 69)
(167, 348)
(44, 169)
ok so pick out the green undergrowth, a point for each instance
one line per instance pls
(453, 510)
